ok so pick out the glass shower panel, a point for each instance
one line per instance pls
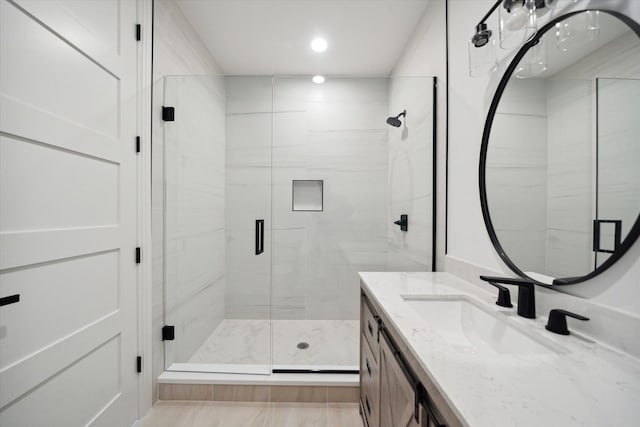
(411, 174)
(618, 152)
(216, 188)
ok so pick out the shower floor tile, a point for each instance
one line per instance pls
(333, 344)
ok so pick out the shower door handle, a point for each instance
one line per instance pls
(11, 299)
(259, 236)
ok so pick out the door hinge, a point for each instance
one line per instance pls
(138, 255)
(168, 114)
(168, 333)
(138, 32)
(137, 144)
(139, 364)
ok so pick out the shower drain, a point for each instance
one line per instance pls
(303, 345)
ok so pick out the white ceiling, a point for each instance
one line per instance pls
(366, 37)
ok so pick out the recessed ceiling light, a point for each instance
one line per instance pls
(318, 79)
(319, 44)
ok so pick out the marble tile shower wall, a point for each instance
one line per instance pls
(410, 175)
(570, 184)
(572, 99)
(335, 132)
(194, 211)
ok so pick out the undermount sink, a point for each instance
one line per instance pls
(470, 328)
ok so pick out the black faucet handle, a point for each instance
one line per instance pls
(557, 322)
(403, 222)
(504, 296)
(526, 294)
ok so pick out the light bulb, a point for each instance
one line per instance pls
(319, 44)
(518, 17)
(318, 79)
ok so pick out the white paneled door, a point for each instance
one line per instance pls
(68, 213)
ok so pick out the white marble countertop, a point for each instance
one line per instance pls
(581, 383)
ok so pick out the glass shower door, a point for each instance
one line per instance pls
(329, 204)
(217, 154)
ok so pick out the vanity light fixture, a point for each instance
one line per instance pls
(518, 23)
(318, 79)
(534, 62)
(319, 44)
(483, 59)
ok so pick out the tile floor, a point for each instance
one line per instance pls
(332, 343)
(236, 414)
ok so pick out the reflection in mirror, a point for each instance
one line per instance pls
(563, 154)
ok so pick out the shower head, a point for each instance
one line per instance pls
(395, 121)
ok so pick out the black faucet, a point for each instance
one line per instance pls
(526, 294)
(557, 322)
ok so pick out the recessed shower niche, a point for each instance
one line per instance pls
(307, 195)
(310, 164)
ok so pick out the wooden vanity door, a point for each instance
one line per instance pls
(397, 396)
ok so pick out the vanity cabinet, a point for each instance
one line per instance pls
(369, 372)
(391, 394)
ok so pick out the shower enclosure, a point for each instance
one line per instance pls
(277, 191)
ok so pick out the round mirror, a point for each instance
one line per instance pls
(560, 157)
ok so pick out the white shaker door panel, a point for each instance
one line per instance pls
(68, 184)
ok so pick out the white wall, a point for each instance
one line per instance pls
(469, 243)
(467, 237)
(177, 50)
(426, 55)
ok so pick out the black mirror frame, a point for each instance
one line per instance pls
(635, 230)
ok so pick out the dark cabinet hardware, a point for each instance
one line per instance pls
(432, 420)
(403, 222)
(557, 322)
(139, 364)
(11, 299)
(504, 296)
(617, 234)
(168, 333)
(526, 294)
(168, 114)
(259, 236)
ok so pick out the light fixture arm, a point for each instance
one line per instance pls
(488, 14)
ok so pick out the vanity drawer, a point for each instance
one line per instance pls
(369, 384)
(369, 327)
